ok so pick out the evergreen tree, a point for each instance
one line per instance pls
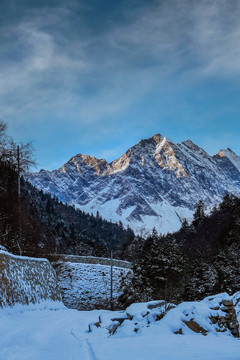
(199, 214)
(202, 280)
(159, 271)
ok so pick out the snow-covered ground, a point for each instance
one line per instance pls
(53, 332)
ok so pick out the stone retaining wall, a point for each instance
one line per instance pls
(86, 286)
(26, 280)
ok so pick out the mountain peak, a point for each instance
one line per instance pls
(221, 153)
(191, 145)
(232, 157)
(81, 162)
(147, 152)
(225, 152)
(158, 138)
(188, 143)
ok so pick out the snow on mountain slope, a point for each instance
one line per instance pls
(155, 183)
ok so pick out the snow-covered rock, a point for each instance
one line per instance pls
(218, 314)
(156, 183)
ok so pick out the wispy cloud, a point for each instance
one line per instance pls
(56, 64)
(49, 68)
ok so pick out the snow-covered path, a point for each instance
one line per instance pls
(63, 335)
(44, 335)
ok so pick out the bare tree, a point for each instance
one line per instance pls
(4, 141)
(19, 156)
(3, 127)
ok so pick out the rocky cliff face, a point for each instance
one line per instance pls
(155, 183)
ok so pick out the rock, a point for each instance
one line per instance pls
(221, 330)
(228, 316)
(213, 319)
(194, 326)
(226, 309)
(215, 308)
(223, 320)
(233, 326)
(160, 316)
(146, 314)
(156, 305)
(113, 327)
(229, 321)
(130, 317)
(235, 332)
(120, 319)
(227, 302)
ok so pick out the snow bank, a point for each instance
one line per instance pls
(26, 280)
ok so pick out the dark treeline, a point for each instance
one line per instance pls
(201, 259)
(37, 224)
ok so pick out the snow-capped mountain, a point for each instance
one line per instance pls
(155, 183)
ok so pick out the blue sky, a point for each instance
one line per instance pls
(94, 77)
